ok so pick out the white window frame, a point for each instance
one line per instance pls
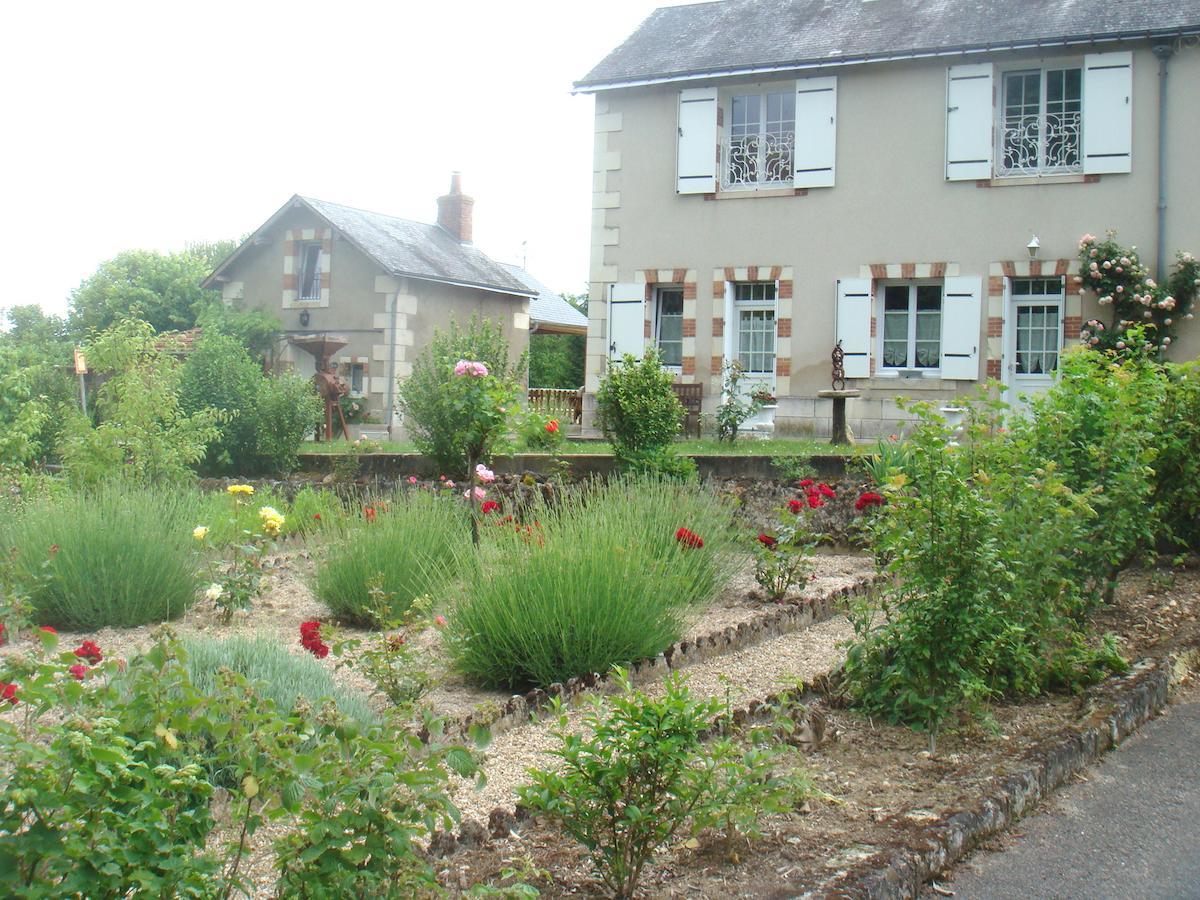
(786, 137)
(1072, 63)
(301, 281)
(362, 379)
(1011, 301)
(768, 304)
(881, 313)
(658, 292)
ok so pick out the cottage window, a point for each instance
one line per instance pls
(761, 141)
(357, 370)
(912, 326)
(669, 326)
(1041, 122)
(755, 303)
(310, 272)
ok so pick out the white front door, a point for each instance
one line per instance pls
(1034, 336)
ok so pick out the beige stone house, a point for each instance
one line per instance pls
(908, 177)
(382, 285)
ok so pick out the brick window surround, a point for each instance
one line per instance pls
(999, 273)
(294, 241)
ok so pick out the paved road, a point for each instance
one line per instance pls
(1131, 831)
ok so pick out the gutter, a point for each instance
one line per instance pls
(585, 87)
(1164, 52)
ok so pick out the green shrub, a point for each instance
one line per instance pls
(643, 774)
(406, 551)
(221, 375)
(986, 548)
(276, 673)
(598, 580)
(635, 406)
(284, 413)
(433, 414)
(541, 432)
(1177, 468)
(115, 555)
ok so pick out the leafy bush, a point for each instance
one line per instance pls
(284, 413)
(540, 432)
(635, 406)
(404, 552)
(434, 412)
(734, 408)
(1099, 425)
(608, 576)
(115, 555)
(144, 435)
(643, 774)
(276, 673)
(221, 375)
(1177, 467)
(987, 553)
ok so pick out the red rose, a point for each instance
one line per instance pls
(767, 541)
(689, 538)
(807, 483)
(552, 426)
(395, 641)
(489, 506)
(46, 628)
(317, 516)
(8, 692)
(795, 506)
(868, 498)
(826, 490)
(78, 671)
(89, 651)
(1, 633)
(815, 501)
(369, 512)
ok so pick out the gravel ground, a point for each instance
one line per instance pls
(755, 672)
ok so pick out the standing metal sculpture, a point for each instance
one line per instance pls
(839, 367)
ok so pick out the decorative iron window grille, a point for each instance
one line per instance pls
(759, 148)
(1042, 122)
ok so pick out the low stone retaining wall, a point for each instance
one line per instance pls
(1132, 699)
(392, 466)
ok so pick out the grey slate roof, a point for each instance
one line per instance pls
(734, 35)
(548, 306)
(417, 249)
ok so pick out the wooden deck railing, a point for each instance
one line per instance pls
(562, 402)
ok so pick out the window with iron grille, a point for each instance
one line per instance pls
(762, 133)
(1041, 119)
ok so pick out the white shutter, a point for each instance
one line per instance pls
(697, 161)
(969, 122)
(854, 325)
(1107, 112)
(731, 324)
(626, 320)
(816, 132)
(961, 327)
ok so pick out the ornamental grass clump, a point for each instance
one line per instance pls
(276, 674)
(399, 550)
(611, 575)
(113, 556)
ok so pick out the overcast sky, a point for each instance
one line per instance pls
(148, 125)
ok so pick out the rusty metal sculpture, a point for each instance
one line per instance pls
(839, 367)
(332, 389)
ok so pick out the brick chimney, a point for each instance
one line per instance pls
(454, 210)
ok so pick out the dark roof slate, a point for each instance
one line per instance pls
(733, 35)
(417, 249)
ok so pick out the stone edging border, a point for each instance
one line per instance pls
(1136, 697)
(776, 622)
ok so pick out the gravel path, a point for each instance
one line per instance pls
(755, 672)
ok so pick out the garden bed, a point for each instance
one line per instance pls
(885, 788)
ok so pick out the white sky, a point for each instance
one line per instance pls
(150, 124)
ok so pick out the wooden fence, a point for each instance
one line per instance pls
(561, 402)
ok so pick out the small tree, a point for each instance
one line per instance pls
(432, 400)
(734, 409)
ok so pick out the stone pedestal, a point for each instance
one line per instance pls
(839, 399)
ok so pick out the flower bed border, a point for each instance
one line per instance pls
(777, 621)
(1134, 698)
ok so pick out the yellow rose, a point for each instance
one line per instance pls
(200, 532)
(272, 520)
(236, 489)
